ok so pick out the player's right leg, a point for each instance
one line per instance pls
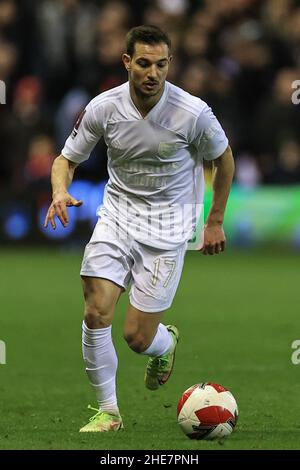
(105, 273)
(101, 296)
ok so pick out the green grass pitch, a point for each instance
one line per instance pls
(238, 315)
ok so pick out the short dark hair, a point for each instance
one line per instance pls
(147, 35)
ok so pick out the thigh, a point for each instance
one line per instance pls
(155, 277)
(101, 297)
(105, 273)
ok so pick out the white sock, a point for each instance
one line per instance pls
(101, 362)
(161, 343)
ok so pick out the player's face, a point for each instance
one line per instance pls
(148, 67)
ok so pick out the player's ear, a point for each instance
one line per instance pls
(170, 59)
(126, 61)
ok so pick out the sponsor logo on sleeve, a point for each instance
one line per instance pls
(77, 124)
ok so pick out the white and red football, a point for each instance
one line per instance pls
(207, 411)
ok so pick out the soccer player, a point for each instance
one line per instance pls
(157, 137)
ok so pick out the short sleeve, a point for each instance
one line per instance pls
(208, 136)
(85, 135)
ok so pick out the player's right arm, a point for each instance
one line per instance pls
(87, 131)
(61, 177)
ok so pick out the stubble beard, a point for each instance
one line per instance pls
(148, 95)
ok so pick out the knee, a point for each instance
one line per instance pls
(100, 297)
(94, 319)
(136, 341)
(97, 313)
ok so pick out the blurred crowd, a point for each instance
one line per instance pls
(241, 56)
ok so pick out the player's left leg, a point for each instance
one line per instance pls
(156, 274)
(145, 334)
(140, 330)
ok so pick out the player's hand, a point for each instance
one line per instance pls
(58, 208)
(214, 239)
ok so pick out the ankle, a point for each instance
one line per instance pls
(112, 410)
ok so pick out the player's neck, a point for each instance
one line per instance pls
(143, 103)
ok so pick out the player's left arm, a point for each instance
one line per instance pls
(214, 236)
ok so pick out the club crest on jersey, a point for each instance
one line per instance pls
(167, 149)
(77, 124)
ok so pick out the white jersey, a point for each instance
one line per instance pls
(155, 163)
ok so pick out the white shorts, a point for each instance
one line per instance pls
(154, 274)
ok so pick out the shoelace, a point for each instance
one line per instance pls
(163, 363)
(99, 412)
(158, 363)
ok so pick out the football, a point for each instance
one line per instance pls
(207, 411)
